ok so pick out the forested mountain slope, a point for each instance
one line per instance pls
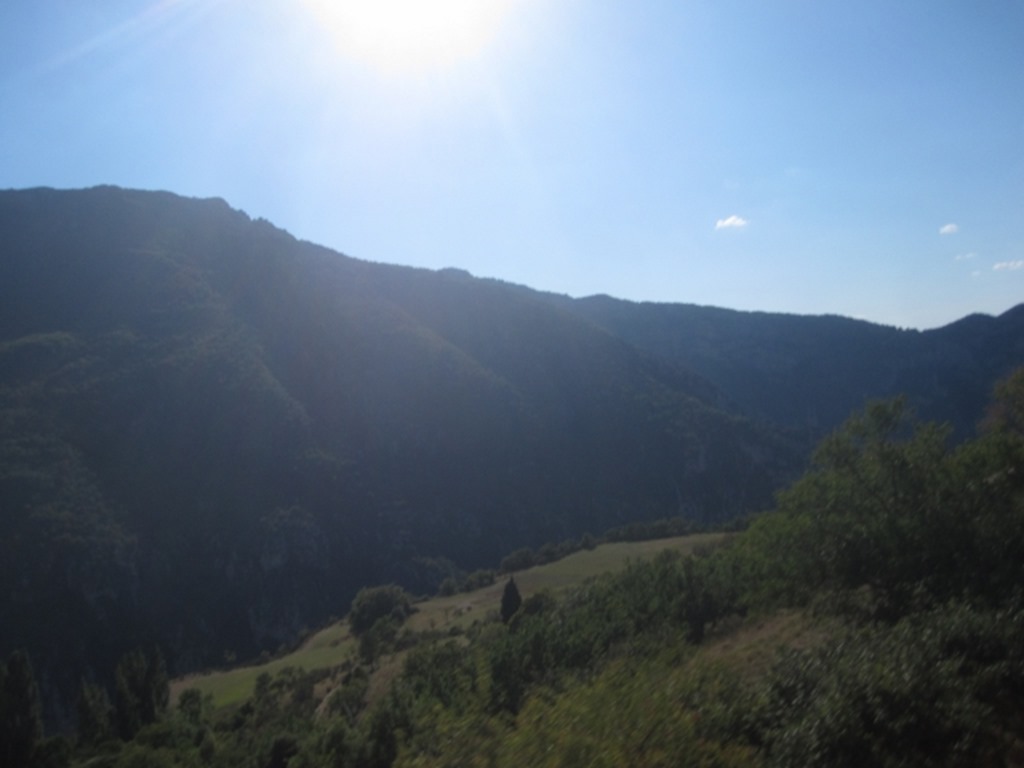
(812, 372)
(873, 618)
(211, 434)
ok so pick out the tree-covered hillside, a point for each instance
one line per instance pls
(212, 434)
(873, 618)
(810, 373)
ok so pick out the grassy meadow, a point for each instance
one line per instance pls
(331, 646)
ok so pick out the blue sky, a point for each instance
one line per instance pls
(863, 159)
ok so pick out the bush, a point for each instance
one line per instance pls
(373, 603)
(519, 560)
(478, 580)
(916, 693)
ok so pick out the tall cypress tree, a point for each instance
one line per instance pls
(510, 600)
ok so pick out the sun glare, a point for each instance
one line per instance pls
(411, 35)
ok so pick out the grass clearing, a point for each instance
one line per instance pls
(442, 613)
(333, 645)
(325, 649)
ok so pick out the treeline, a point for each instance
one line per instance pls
(140, 697)
(360, 415)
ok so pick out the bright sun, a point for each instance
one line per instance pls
(411, 35)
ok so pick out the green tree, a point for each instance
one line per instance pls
(264, 699)
(1006, 411)
(891, 513)
(377, 639)
(128, 683)
(21, 725)
(157, 688)
(478, 580)
(190, 705)
(94, 715)
(141, 691)
(373, 603)
(510, 600)
(282, 750)
(519, 560)
(876, 511)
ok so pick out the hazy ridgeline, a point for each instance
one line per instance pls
(212, 435)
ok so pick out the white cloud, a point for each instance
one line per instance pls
(1009, 265)
(965, 256)
(949, 229)
(733, 222)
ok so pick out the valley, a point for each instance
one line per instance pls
(214, 436)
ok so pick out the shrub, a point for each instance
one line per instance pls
(373, 603)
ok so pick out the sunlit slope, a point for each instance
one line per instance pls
(334, 645)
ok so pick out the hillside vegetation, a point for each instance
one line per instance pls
(811, 373)
(213, 435)
(335, 645)
(875, 617)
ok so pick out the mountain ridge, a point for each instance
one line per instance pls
(946, 372)
(213, 433)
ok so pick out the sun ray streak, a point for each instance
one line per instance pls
(159, 15)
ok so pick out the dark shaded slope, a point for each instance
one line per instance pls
(811, 372)
(213, 433)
